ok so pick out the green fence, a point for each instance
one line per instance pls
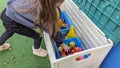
(105, 14)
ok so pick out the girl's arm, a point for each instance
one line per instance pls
(59, 39)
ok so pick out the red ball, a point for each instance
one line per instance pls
(79, 49)
(72, 51)
(74, 48)
(62, 53)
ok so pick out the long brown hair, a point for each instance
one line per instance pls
(45, 14)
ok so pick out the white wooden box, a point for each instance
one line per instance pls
(93, 38)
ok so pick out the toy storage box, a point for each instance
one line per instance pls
(95, 41)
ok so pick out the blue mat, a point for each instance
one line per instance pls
(113, 58)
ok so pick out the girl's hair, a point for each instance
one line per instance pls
(45, 14)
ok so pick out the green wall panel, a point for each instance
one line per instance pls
(105, 14)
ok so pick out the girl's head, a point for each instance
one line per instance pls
(46, 15)
(58, 3)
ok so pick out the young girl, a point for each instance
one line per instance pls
(22, 16)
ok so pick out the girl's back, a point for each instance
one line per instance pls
(15, 10)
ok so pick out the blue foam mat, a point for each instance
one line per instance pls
(113, 58)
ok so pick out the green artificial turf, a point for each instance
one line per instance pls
(20, 55)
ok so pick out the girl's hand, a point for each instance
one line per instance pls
(65, 47)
